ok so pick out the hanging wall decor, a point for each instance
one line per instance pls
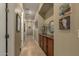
(64, 23)
(65, 13)
(65, 8)
(18, 23)
(51, 26)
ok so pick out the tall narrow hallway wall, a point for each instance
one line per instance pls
(66, 42)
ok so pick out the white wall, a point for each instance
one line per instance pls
(40, 23)
(22, 28)
(66, 42)
(2, 30)
(11, 29)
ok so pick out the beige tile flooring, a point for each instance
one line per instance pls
(31, 49)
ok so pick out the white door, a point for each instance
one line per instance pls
(2, 30)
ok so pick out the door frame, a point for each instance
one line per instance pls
(6, 34)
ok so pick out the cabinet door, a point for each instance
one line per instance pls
(45, 45)
(50, 47)
(42, 42)
(39, 40)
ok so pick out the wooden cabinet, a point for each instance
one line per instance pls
(47, 45)
(39, 40)
(50, 47)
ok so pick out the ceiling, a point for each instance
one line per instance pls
(30, 10)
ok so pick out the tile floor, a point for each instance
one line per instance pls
(31, 48)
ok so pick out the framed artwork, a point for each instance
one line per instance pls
(64, 8)
(18, 23)
(51, 26)
(64, 23)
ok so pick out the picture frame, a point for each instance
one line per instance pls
(18, 23)
(64, 23)
(64, 8)
(51, 26)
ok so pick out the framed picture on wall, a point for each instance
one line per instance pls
(51, 26)
(18, 23)
(64, 23)
(65, 8)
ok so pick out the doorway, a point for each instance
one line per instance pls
(28, 30)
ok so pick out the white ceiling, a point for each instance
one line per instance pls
(32, 7)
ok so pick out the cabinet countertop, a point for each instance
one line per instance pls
(48, 36)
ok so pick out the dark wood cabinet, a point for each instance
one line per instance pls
(39, 40)
(47, 45)
(50, 47)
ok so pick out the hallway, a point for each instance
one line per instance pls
(31, 48)
(39, 29)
